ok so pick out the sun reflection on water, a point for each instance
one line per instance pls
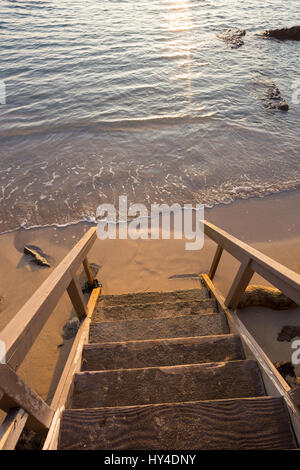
(179, 23)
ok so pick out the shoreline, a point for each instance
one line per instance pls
(269, 224)
(89, 219)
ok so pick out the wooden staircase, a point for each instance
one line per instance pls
(161, 371)
(157, 370)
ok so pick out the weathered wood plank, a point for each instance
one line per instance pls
(77, 299)
(88, 271)
(23, 329)
(12, 428)
(163, 352)
(16, 393)
(215, 262)
(64, 389)
(274, 382)
(175, 327)
(154, 310)
(236, 424)
(153, 297)
(239, 284)
(125, 387)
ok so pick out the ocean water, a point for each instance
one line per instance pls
(140, 98)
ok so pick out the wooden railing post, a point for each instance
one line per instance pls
(12, 427)
(88, 271)
(77, 299)
(16, 393)
(239, 284)
(215, 262)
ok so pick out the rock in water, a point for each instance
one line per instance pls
(37, 255)
(284, 34)
(232, 37)
(275, 95)
(283, 106)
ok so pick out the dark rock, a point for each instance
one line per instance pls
(38, 257)
(287, 370)
(232, 37)
(284, 34)
(70, 329)
(263, 296)
(274, 95)
(283, 106)
(288, 332)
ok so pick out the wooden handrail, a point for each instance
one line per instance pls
(275, 384)
(22, 331)
(16, 393)
(12, 428)
(252, 261)
(24, 405)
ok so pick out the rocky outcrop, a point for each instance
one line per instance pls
(232, 37)
(284, 34)
(37, 255)
(274, 99)
(263, 296)
(283, 106)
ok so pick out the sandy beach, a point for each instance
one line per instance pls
(271, 225)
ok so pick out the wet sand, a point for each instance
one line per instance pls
(271, 225)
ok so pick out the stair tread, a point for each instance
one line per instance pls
(162, 352)
(244, 423)
(155, 328)
(123, 387)
(154, 296)
(153, 310)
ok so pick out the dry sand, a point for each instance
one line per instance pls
(272, 225)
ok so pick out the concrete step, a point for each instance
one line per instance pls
(154, 310)
(234, 424)
(125, 387)
(162, 352)
(153, 297)
(156, 328)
